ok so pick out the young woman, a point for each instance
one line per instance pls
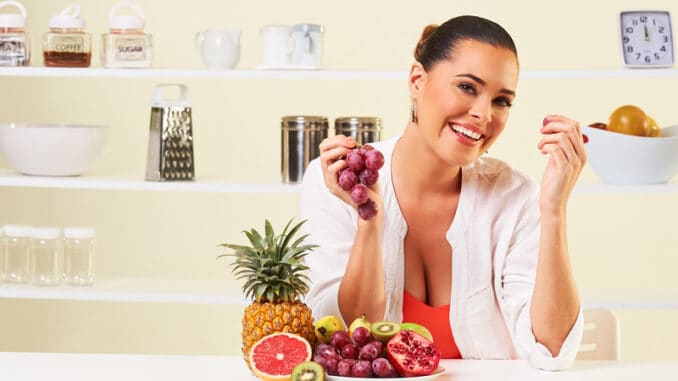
(461, 243)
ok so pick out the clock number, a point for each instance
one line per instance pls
(626, 39)
(660, 29)
(663, 48)
(629, 48)
(656, 56)
(666, 38)
(629, 30)
(638, 56)
(643, 19)
(647, 59)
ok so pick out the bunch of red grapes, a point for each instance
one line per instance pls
(362, 171)
(356, 355)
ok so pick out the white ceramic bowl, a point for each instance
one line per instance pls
(51, 149)
(632, 160)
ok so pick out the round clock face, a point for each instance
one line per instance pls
(646, 39)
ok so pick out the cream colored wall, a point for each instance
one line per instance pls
(624, 242)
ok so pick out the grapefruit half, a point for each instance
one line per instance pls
(274, 357)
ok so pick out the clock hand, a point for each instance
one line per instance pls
(647, 36)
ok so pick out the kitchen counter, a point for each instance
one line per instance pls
(102, 367)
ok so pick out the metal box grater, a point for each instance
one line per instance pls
(170, 143)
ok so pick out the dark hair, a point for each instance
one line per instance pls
(437, 43)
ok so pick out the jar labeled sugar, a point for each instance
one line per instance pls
(126, 45)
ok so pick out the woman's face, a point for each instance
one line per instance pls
(462, 103)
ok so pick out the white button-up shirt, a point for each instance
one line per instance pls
(495, 243)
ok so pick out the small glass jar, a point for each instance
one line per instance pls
(17, 238)
(15, 44)
(126, 45)
(79, 245)
(67, 44)
(2, 252)
(44, 256)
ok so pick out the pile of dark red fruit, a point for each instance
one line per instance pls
(362, 171)
(356, 355)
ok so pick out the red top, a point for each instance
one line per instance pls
(436, 319)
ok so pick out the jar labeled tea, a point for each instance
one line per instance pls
(15, 47)
(126, 45)
(66, 44)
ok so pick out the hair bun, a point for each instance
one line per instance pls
(428, 31)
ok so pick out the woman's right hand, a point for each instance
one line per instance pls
(333, 152)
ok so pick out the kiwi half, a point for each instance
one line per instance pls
(384, 330)
(308, 371)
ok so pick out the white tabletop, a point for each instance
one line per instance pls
(118, 367)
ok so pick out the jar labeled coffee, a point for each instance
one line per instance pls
(301, 137)
(15, 46)
(363, 129)
(66, 44)
(126, 45)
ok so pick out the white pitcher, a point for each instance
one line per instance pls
(219, 48)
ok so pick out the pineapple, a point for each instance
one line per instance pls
(276, 279)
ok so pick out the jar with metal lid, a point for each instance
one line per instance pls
(363, 129)
(15, 44)
(44, 256)
(17, 238)
(301, 136)
(79, 244)
(67, 44)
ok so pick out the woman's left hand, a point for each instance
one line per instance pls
(562, 141)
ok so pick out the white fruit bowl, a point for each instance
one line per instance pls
(632, 160)
(51, 149)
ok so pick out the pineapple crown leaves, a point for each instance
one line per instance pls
(273, 265)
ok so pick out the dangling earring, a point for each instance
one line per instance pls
(413, 116)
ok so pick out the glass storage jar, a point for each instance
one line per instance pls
(79, 245)
(44, 256)
(15, 44)
(67, 44)
(17, 239)
(126, 45)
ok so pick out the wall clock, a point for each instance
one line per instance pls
(646, 39)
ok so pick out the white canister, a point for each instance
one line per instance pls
(308, 45)
(276, 46)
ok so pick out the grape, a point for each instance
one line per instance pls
(362, 369)
(355, 160)
(331, 363)
(347, 179)
(374, 159)
(382, 368)
(368, 176)
(359, 194)
(377, 344)
(344, 367)
(339, 339)
(349, 351)
(361, 336)
(369, 352)
(325, 350)
(367, 210)
(364, 149)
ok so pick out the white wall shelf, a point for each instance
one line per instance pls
(190, 73)
(227, 292)
(135, 291)
(137, 183)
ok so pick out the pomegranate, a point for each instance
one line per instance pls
(412, 354)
